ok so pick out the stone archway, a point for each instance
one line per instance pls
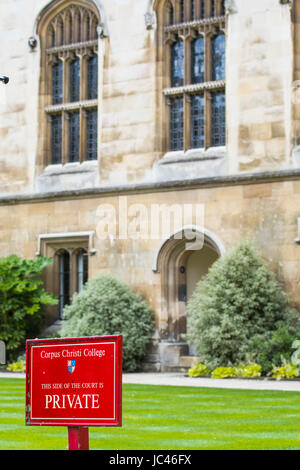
(180, 269)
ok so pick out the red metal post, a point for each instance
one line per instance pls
(78, 437)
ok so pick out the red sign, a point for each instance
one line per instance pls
(74, 381)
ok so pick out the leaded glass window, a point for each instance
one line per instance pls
(64, 281)
(218, 57)
(57, 82)
(92, 77)
(74, 133)
(75, 80)
(223, 9)
(193, 74)
(176, 123)
(177, 63)
(91, 134)
(70, 60)
(198, 60)
(181, 11)
(202, 9)
(192, 9)
(197, 121)
(56, 138)
(218, 127)
(78, 24)
(212, 11)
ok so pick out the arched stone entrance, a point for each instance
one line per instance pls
(180, 269)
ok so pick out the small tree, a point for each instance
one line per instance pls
(21, 298)
(239, 311)
(106, 306)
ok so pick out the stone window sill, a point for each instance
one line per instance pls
(191, 155)
(76, 167)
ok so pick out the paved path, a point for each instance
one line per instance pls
(181, 380)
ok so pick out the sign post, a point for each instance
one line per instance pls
(74, 382)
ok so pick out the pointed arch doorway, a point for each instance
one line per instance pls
(181, 269)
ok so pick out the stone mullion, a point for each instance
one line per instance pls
(177, 12)
(167, 65)
(82, 134)
(170, 38)
(65, 137)
(67, 29)
(218, 7)
(52, 59)
(82, 92)
(66, 59)
(207, 58)
(166, 123)
(186, 97)
(48, 148)
(66, 75)
(187, 121)
(197, 8)
(207, 114)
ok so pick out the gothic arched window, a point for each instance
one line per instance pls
(194, 87)
(69, 41)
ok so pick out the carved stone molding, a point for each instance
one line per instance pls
(72, 47)
(150, 19)
(216, 20)
(219, 84)
(32, 42)
(286, 2)
(71, 106)
(230, 7)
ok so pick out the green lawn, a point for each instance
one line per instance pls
(165, 417)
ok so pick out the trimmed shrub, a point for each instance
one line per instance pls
(238, 307)
(106, 306)
(271, 350)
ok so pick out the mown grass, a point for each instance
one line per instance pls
(167, 417)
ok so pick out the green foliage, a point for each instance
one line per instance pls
(199, 370)
(285, 371)
(238, 307)
(272, 348)
(251, 370)
(296, 354)
(21, 298)
(106, 306)
(18, 366)
(223, 372)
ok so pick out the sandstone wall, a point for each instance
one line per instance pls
(268, 213)
(259, 73)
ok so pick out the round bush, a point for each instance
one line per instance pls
(238, 311)
(106, 306)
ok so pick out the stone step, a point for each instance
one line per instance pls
(189, 361)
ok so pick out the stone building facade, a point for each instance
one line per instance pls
(120, 114)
